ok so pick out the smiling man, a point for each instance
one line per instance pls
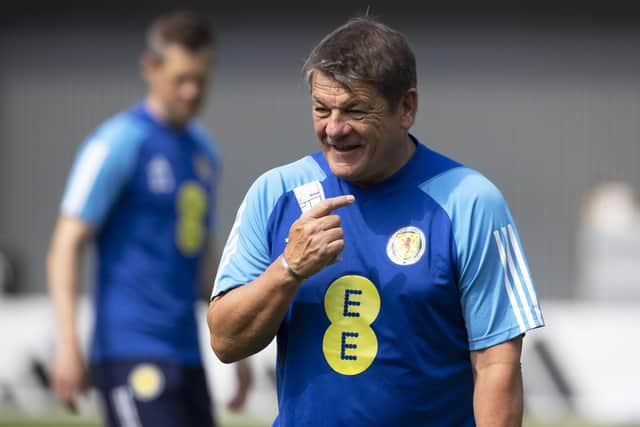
(392, 276)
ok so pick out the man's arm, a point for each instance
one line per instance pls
(245, 319)
(68, 372)
(498, 396)
(244, 378)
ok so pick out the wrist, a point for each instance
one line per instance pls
(68, 341)
(290, 271)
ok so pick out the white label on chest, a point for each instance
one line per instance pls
(308, 195)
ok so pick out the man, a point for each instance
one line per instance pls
(392, 276)
(143, 187)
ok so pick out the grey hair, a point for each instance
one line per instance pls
(365, 50)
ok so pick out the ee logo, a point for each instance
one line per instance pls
(350, 345)
(192, 213)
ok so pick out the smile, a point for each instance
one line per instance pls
(344, 148)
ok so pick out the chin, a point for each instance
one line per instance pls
(183, 119)
(343, 171)
(347, 166)
(186, 113)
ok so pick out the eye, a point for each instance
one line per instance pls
(321, 111)
(356, 114)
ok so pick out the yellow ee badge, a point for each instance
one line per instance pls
(192, 211)
(406, 246)
(350, 344)
(147, 381)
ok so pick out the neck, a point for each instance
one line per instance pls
(159, 112)
(409, 147)
(405, 152)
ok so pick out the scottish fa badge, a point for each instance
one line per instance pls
(203, 167)
(147, 381)
(406, 246)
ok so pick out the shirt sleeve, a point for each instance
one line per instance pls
(497, 294)
(246, 252)
(498, 297)
(102, 168)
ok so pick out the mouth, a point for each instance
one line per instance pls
(344, 148)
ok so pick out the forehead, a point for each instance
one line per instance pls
(328, 90)
(176, 56)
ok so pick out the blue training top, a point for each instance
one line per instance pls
(149, 191)
(432, 268)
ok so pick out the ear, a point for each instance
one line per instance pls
(149, 63)
(409, 108)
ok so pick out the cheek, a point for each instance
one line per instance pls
(369, 133)
(169, 89)
(318, 127)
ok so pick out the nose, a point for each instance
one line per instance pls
(191, 90)
(337, 127)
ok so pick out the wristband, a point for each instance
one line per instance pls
(292, 273)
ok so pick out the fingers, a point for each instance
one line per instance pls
(325, 206)
(316, 238)
(335, 248)
(65, 391)
(68, 379)
(319, 236)
(318, 225)
(333, 234)
(65, 388)
(330, 244)
(237, 402)
(66, 394)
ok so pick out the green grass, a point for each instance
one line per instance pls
(240, 421)
(85, 423)
(572, 422)
(34, 423)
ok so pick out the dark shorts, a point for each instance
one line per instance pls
(143, 393)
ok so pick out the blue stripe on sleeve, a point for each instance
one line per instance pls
(498, 297)
(246, 253)
(102, 168)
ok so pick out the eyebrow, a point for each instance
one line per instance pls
(349, 104)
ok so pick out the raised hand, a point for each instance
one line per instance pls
(316, 238)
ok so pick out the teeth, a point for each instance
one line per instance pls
(343, 147)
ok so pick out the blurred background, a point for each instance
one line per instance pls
(543, 98)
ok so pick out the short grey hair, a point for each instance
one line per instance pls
(365, 50)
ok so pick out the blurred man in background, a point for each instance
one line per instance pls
(143, 188)
(392, 275)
